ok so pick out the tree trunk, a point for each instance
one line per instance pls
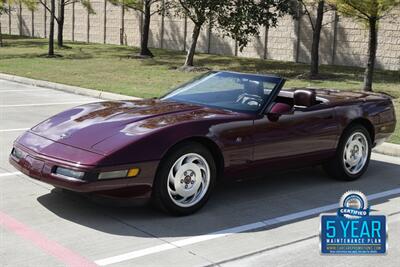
(20, 19)
(122, 30)
(51, 33)
(372, 45)
(144, 46)
(61, 15)
(1, 35)
(314, 66)
(192, 48)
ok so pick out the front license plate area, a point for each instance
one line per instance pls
(33, 166)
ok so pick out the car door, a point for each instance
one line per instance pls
(304, 132)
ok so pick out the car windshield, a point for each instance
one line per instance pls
(227, 90)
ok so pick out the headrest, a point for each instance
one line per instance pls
(305, 98)
(254, 88)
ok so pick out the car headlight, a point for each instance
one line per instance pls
(119, 174)
(18, 154)
(69, 173)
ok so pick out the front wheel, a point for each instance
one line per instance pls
(352, 155)
(185, 179)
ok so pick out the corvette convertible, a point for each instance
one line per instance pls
(173, 150)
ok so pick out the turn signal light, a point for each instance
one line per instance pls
(133, 172)
(119, 174)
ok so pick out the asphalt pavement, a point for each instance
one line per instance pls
(269, 221)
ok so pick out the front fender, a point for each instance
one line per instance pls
(125, 148)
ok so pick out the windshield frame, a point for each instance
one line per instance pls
(278, 81)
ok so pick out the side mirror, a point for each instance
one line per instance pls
(279, 109)
(273, 116)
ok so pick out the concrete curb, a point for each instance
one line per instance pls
(66, 88)
(388, 149)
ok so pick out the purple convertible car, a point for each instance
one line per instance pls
(221, 124)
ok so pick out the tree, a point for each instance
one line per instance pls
(316, 26)
(148, 8)
(239, 19)
(242, 19)
(199, 12)
(5, 8)
(61, 15)
(51, 30)
(32, 4)
(368, 12)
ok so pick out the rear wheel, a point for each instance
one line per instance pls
(185, 179)
(352, 155)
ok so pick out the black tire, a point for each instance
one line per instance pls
(336, 166)
(161, 198)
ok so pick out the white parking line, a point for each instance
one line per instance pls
(25, 90)
(43, 104)
(9, 174)
(13, 130)
(231, 231)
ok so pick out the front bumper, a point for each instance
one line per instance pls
(42, 168)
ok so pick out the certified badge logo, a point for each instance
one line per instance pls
(353, 205)
(353, 230)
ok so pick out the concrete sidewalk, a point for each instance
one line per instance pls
(388, 149)
(66, 88)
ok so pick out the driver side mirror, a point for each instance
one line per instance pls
(279, 109)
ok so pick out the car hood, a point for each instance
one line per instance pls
(87, 125)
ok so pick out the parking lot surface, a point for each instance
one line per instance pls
(269, 221)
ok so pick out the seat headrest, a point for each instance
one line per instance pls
(253, 88)
(305, 98)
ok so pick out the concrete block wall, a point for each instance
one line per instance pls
(14, 21)
(26, 22)
(5, 27)
(326, 41)
(96, 22)
(114, 23)
(81, 23)
(132, 27)
(39, 22)
(220, 44)
(343, 41)
(174, 33)
(255, 49)
(155, 31)
(282, 40)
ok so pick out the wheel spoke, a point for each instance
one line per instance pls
(355, 153)
(178, 165)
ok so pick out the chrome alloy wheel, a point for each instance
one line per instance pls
(188, 180)
(355, 153)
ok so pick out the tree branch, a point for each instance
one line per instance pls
(357, 9)
(308, 15)
(68, 2)
(188, 13)
(155, 12)
(326, 23)
(386, 13)
(45, 6)
(49, 10)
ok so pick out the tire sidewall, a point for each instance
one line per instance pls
(160, 192)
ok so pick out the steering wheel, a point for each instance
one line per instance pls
(251, 100)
